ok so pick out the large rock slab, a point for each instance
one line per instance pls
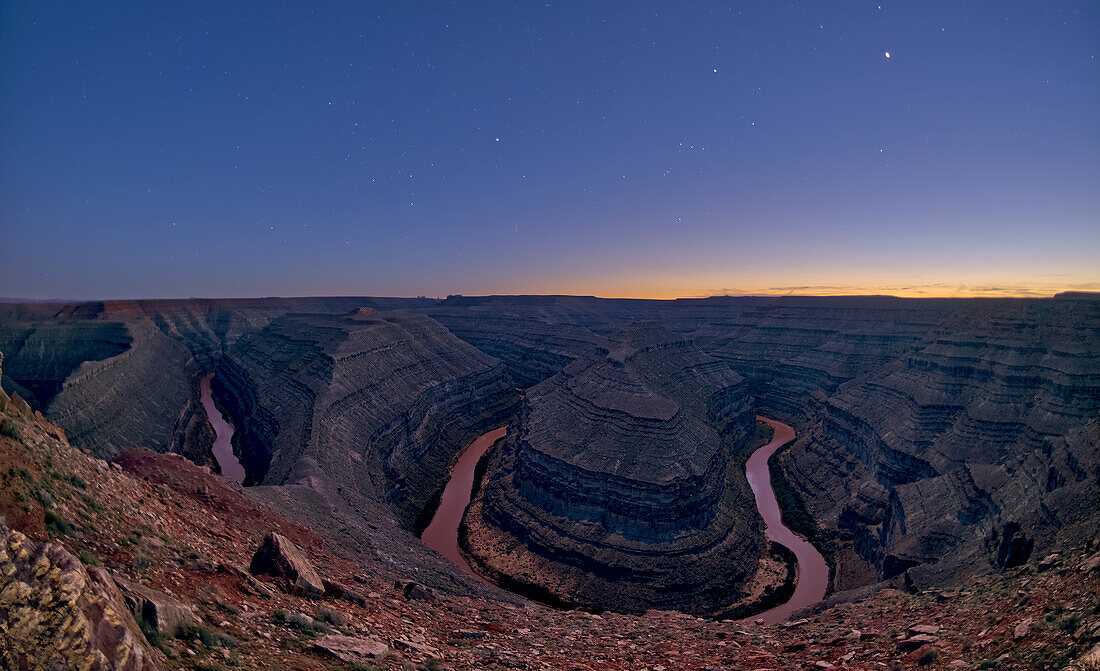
(163, 612)
(279, 557)
(352, 649)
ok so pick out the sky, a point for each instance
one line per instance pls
(635, 148)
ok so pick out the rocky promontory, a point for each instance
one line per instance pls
(615, 490)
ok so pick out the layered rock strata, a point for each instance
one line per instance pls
(351, 422)
(982, 431)
(930, 429)
(616, 488)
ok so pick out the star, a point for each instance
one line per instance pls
(886, 54)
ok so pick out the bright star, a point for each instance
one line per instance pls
(886, 54)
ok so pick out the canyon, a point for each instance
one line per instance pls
(935, 438)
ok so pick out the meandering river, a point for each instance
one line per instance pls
(813, 573)
(223, 435)
(441, 534)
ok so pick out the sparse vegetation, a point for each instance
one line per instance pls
(11, 428)
(57, 524)
(207, 636)
(1070, 623)
(928, 657)
(329, 616)
(152, 634)
(306, 624)
(89, 558)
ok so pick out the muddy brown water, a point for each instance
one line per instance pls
(812, 574)
(223, 431)
(441, 534)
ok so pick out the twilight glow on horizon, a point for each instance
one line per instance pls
(627, 149)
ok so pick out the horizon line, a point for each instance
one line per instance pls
(1069, 293)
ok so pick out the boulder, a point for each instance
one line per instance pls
(352, 649)
(418, 592)
(164, 613)
(338, 590)
(279, 557)
(914, 642)
(1050, 561)
(60, 614)
(1087, 661)
(1023, 628)
(929, 629)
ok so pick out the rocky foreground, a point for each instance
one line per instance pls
(149, 561)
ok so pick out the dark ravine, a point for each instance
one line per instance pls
(228, 464)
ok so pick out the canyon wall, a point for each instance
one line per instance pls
(351, 422)
(933, 434)
(618, 487)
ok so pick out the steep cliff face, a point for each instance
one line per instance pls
(967, 434)
(42, 353)
(358, 417)
(616, 490)
(120, 373)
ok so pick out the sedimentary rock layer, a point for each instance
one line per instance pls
(357, 417)
(616, 489)
(932, 432)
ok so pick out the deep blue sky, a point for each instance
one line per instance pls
(631, 148)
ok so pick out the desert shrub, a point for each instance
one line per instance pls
(11, 428)
(77, 481)
(329, 616)
(209, 637)
(1070, 624)
(89, 559)
(306, 626)
(58, 524)
(279, 616)
(301, 621)
(928, 657)
(142, 562)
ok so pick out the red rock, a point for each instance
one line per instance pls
(278, 556)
